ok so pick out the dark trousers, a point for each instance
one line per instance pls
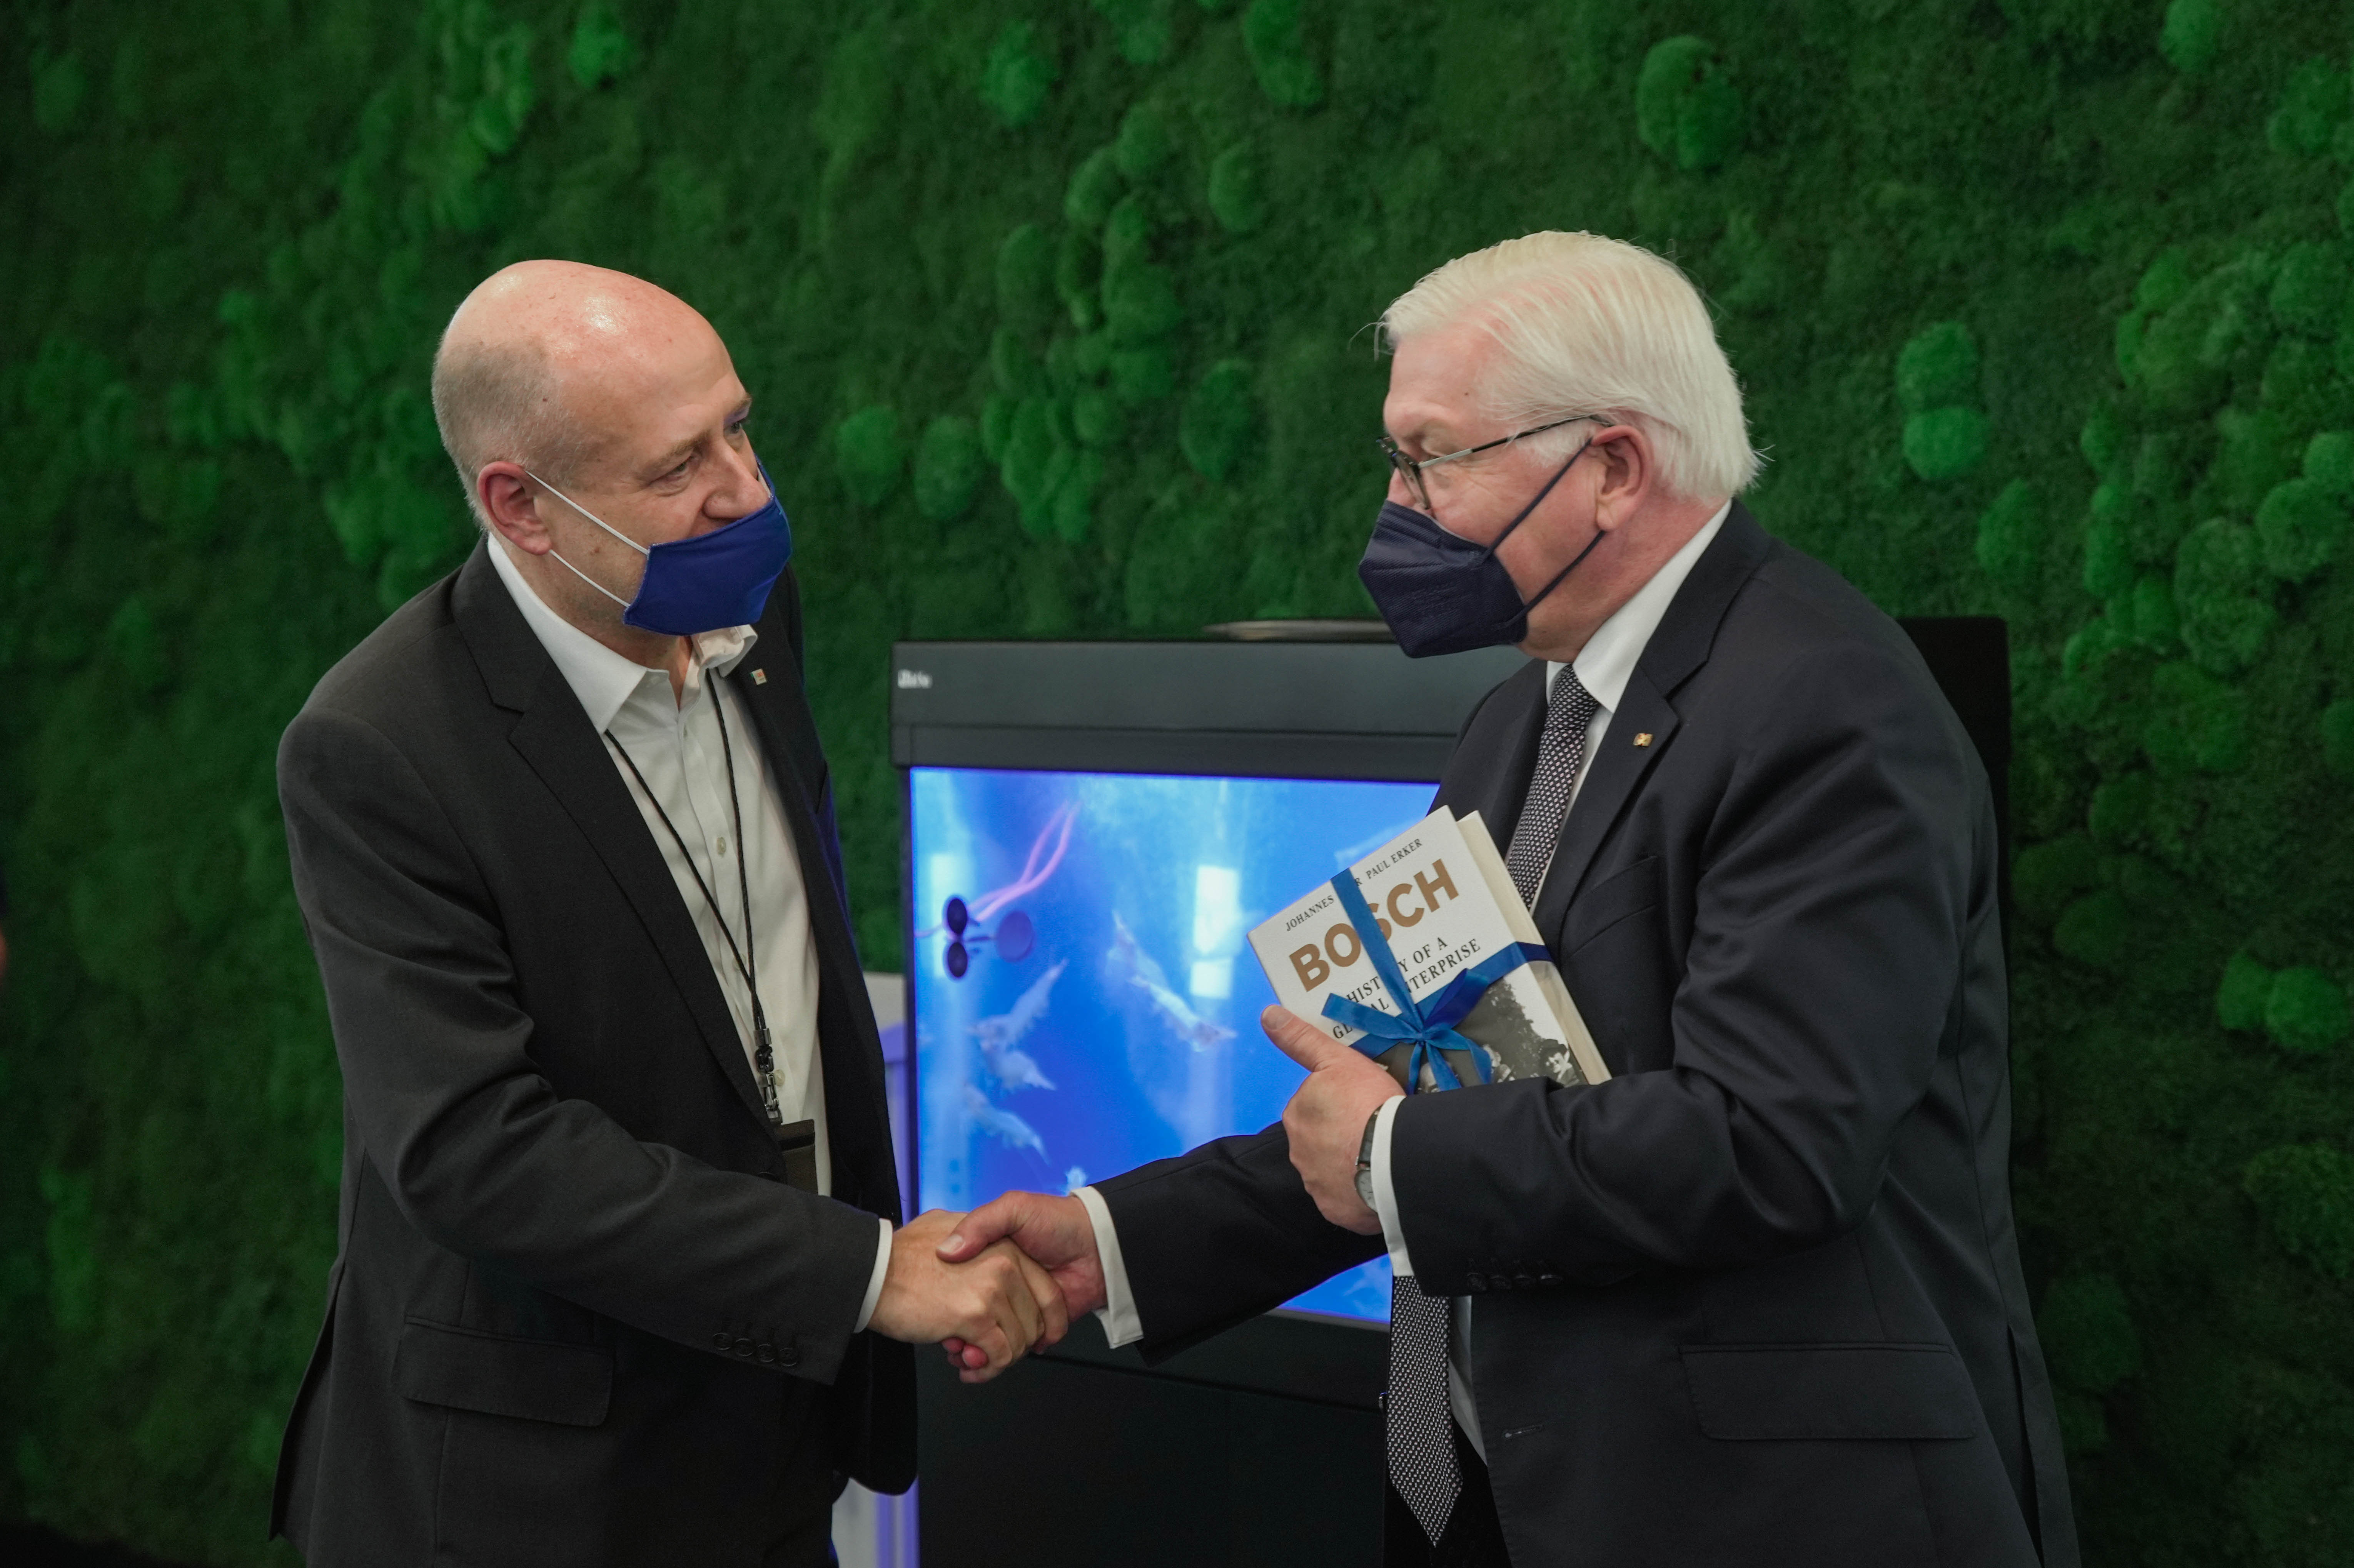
(1474, 1537)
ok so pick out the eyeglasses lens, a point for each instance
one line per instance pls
(1406, 469)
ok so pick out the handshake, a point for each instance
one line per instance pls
(991, 1286)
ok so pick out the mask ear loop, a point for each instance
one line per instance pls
(609, 528)
(1564, 572)
(1558, 475)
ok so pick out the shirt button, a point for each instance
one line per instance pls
(722, 843)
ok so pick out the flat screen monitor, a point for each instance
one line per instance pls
(1084, 1000)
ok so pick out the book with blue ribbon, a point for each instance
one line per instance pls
(1422, 956)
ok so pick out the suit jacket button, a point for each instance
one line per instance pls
(721, 1340)
(1548, 1280)
(743, 1347)
(767, 1354)
(1476, 1282)
(789, 1357)
(1524, 1281)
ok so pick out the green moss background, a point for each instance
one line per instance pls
(1056, 316)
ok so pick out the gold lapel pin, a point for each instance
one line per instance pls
(760, 678)
(1643, 738)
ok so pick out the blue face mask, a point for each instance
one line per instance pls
(703, 583)
(1442, 594)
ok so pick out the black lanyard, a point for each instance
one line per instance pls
(747, 959)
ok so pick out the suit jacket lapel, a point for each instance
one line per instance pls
(1611, 777)
(769, 680)
(554, 736)
(1679, 646)
(1515, 715)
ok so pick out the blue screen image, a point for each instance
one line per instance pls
(1089, 1001)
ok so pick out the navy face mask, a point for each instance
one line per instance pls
(1442, 594)
(703, 583)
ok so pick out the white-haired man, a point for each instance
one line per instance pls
(618, 1260)
(1758, 1296)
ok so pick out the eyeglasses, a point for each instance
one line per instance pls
(1410, 469)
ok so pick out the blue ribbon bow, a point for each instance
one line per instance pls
(1431, 1025)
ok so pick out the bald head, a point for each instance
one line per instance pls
(543, 362)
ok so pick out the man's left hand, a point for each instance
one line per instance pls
(1326, 1119)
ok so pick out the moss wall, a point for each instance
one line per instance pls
(1055, 313)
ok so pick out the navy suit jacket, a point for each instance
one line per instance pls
(1756, 1297)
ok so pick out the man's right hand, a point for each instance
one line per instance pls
(992, 1303)
(1053, 1232)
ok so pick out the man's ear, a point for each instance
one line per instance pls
(510, 501)
(1624, 455)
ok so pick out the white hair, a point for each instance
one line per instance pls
(1594, 325)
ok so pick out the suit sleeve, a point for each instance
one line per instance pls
(1222, 1233)
(1822, 975)
(1227, 1231)
(474, 1144)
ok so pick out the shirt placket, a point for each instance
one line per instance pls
(703, 776)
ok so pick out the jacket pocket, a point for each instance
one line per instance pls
(533, 1379)
(1887, 1393)
(1614, 898)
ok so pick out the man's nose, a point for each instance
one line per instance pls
(746, 491)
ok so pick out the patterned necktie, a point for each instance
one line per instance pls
(1558, 755)
(1421, 1446)
(1418, 1430)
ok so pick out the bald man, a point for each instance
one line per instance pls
(618, 1274)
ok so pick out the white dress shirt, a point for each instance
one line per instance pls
(676, 742)
(1605, 664)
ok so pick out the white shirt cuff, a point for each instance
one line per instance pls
(874, 1281)
(1121, 1326)
(1385, 1203)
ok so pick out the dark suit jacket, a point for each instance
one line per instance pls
(576, 1317)
(1758, 1296)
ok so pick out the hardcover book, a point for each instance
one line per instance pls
(1442, 908)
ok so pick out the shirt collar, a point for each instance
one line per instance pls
(1607, 661)
(600, 678)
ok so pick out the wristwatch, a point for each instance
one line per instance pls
(1365, 1161)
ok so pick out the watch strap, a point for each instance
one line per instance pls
(1365, 1159)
